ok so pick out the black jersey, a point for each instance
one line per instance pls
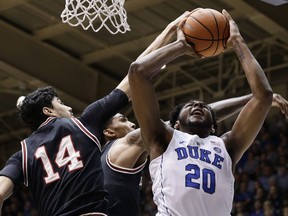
(13, 170)
(61, 161)
(123, 185)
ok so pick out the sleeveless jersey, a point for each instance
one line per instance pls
(122, 185)
(193, 177)
(60, 162)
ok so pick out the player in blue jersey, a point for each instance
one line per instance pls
(60, 161)
(192, 170)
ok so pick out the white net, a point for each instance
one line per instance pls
(96, 14)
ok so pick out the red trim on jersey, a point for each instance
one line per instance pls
(46, 122)
(24, 162)
(87, 132)
(123, 169)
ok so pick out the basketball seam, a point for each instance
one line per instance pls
(207, 30)
(216, 40)
(216, 22)
(219, 39)
(226, 28)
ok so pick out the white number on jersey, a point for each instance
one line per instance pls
(66, 155)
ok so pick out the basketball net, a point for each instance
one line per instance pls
(96, 14)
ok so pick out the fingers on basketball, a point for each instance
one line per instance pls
(208, 31)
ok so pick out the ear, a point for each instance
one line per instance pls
(49, 112)
(109, 133)
(177, 125)
(212, 129)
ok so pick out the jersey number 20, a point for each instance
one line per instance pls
(207, 178)
(65, 155)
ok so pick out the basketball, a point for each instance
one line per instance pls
(208, 30)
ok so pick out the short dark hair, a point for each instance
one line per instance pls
(30, 111)
(174, 116)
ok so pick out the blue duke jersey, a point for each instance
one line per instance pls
(60, 161)
(123, 185)
(193, 177)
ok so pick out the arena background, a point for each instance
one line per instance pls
(37, 49)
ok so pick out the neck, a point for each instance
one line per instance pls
(201, 132)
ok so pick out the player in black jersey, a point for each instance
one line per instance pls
(62, 184)
(6, 185)
(127, 157)
(60, 161)
(124, 157)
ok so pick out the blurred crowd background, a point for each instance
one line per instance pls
(261, 178)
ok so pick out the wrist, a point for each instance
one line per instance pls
(180, 45)
(236, 39)
(171, 27)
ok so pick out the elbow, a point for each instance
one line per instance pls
(267, 97)
(136, 69)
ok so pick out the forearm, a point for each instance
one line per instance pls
(124, 86)
(256, 77)
(228, 107)
(151, 64)
(6, 190)
(166, 35)
(163, 39)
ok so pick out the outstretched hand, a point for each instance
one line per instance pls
(189, 49)
(234, 30)
(177, 22)
(281, 103)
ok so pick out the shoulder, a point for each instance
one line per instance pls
(107, 146)
(16, 157)
(13, 168)
(226, 138)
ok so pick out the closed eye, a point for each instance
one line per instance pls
(123, 119)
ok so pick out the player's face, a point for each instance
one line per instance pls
(60, 109)
(196, 114)
(121, 125)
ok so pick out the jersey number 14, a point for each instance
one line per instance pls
(65, 155)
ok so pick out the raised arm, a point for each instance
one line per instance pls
(154, 131)
(253, 114)
(231, 106)
(166, 35)
(161, 40)
(228, 107)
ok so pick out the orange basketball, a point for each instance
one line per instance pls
(208, 31)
